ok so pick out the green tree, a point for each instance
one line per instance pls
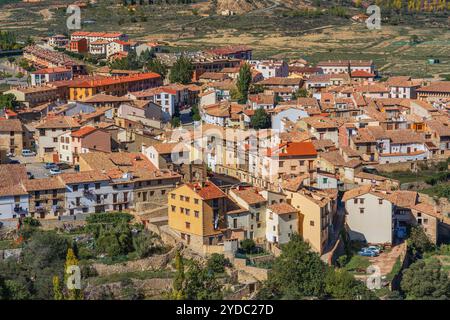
(426, 280)
(146, 243)
(16, 290)
(297, 273)
(42, 258)
(195, 113)
(300, 93)
(200, 284)
(248, 245)
(340, 284)
(182, 71)
(217, 263)
(157, 66)
(8, 101)
(57, 291)
(418, 241)
(243, 83)
(260, 120)
(178, 282)
(175, 122)
(71, 260)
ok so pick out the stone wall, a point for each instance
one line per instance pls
(258, 273)
(406, 166)
(152, 263)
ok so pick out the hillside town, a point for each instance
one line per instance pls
(217, 152)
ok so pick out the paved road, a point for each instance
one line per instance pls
(35, 167)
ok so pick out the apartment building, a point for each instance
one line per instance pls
(253, 218)
(344, 66)
(46, 197)
(12, 136)
(87, 139)
(87, 192)
(271, 68)
(197, 214)
(117, 86)
(48, 134)
(46, 75)
(281, 223)
(33, 96)
(14, 199)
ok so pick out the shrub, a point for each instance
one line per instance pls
(248, 245)
(217, 263)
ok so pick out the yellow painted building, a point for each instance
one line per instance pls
(316, 214)
(116, 86)
(197, 214)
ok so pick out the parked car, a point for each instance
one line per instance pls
(375, 249)
(14, 162)
(63, 165)
(369, 169)
(49, 165)
(30, 175)
(28, 153)
(55, 171)
(367, 253)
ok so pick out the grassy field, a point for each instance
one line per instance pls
(272, 34)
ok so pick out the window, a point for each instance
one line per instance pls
(361, 210)
(188, 225)
(182, 210)
(163, 192)
(172, 196)
(55, 140)
(174, 208)
(281, 164)
(361, 201)
(86, 187)
(97, 186)
(425, 221)
(196, 201)
(380, 201)
(311, 223)
(75, 187)
(196, 213)
(355, 200)
(187, 199)
(188, 212)
(182, 198)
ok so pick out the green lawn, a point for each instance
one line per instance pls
(357, 264)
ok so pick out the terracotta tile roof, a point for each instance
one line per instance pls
(294, 184)
(282, 208)
(214, 76)
(12, 177)
(362, 74)
(167, 148)
(250, 195)
(403, 198)
(439, 86)
(83, 177)
(356, 192)
(115, 80)
(207, 191)
(321, 122)
(51, 70)
(97, 34)
(294, 149)
(279, 81)
(59, 122)
(323, 144)
(52, 183)
(14, 125)
(83, 132)
(229, 50)
(440, 127)
(345, 63)
(101, 97)
(428, 209)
